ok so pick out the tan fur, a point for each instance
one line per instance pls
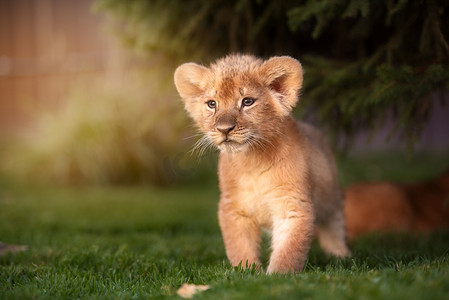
(389, 206)
(274, 172)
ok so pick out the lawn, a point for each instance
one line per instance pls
(145, 242)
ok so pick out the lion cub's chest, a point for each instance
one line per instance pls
(256, 194)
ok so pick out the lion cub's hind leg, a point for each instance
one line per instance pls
(332, 235)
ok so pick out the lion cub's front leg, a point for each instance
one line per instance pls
(291, 237)
(241, 235)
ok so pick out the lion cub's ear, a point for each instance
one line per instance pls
(189, 80)
(283, 75)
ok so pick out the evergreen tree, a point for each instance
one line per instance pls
(363, 59)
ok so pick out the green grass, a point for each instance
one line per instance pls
(143, 242)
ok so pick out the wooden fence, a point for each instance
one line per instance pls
(44, 46)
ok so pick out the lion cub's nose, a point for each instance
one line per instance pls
(225, 128)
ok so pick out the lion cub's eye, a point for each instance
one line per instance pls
(211, 104)
(248, 101)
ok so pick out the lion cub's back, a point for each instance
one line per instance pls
(327, 194)
(317, 139)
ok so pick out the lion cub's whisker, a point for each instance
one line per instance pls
(193, 136)
(201, 145)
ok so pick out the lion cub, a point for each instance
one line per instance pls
(274, 172)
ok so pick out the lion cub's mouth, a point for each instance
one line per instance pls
(228, 141)
(230, 144)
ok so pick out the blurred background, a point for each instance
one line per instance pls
(86, 91)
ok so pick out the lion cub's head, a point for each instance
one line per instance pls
(240, 101)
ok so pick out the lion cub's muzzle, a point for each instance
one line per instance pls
(225, 124)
